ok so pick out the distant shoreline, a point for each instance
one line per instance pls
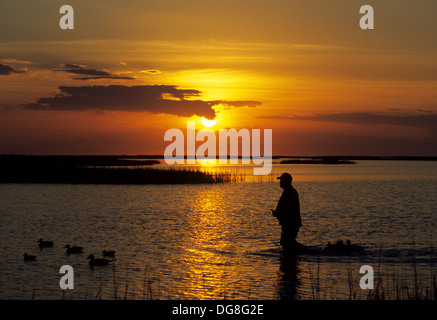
(378, 158)
(142, 159)
(317, 161)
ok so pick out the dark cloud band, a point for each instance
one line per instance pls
(154, 99)
(90, 74)
(6, 70)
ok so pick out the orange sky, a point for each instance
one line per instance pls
(128, 72)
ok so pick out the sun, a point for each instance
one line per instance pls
(208, 123)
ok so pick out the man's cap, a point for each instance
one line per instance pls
(285, 177)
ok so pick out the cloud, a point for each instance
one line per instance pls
(395, 109)
(151, 71)
(424, 111)
(105, 77)
(90, 74)
(146, 98)
(424, 121)
(6, 70)
(16, 61)
(250, 104)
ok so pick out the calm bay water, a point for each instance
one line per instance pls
(220, 241)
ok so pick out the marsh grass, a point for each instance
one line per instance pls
(112, 175)
(103, 170)
(221, 175)
(389, 284)
(113, 170)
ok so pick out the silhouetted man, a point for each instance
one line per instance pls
(288, 212)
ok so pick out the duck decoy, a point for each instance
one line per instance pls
(73, 249)
(98, 262)
(28, 257)
(353, 247)
(45, 244)
(108, 253)
(328, 246)
(339, 245)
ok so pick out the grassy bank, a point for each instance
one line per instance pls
(99, 170)
(106, 175)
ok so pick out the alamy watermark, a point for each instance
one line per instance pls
(67, 280)
(366, 281)
(67, 20)
(250, 147)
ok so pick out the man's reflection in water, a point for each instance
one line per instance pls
(288, 281)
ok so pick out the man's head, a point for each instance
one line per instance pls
(285, 180)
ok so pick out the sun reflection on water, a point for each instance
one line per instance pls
(207, 238)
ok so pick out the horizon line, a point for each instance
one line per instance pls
(157, 156)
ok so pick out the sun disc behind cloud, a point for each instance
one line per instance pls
(208, 123)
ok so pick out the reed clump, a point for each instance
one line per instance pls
(396, 286)
(387, 285)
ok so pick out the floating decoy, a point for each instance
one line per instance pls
(98, 262)
(353, 247)
(45, 244)
(328, 246)
(108, 253)
(339, 245)
(335, 248)
(28, 257)
(73, 249)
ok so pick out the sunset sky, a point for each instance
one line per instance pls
(132, 69)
